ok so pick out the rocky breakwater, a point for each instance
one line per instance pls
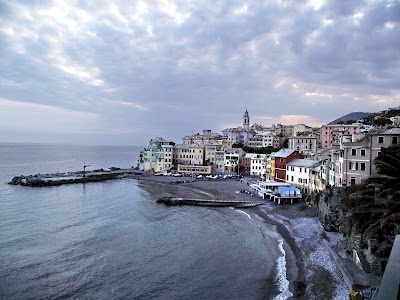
(173, 201)
(43, 180)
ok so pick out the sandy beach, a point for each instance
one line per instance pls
(311, 272)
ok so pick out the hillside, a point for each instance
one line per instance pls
(351, 116)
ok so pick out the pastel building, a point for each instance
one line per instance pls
(279, 160)
(211, 153)
(306, 145)
(383, 138)
(255, 141)
(207, 137)
(356, 162)
(192, 154)
(331, 134)
(157, 156)
(245, 164)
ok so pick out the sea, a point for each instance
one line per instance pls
(111, 240)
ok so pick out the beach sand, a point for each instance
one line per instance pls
(310, 269)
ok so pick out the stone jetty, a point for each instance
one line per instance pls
(43, 180)
(173, 201)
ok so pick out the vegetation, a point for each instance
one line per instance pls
(380, 118)
(373, 208)
(263, 150)
(237, 145)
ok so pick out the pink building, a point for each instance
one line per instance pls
(332, 134)
(383, 139)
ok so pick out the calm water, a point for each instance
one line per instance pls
(110, 240)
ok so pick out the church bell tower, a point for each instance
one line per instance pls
(246, 120)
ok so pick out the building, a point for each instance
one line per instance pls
(158, 156)
(306, 145)
(301, 128)
(298, 172)
(383, 138)
(395, 121)
(232, 160)
(219, 166)
(279, 160)
(356, 162)
(331, 134)
(255, 141)
(207, 137)
(355, 159)
(239, 135)
(258, 165)
(268, 140)
(194, 170)
(191, 154)
(245, 164)
(284, 130)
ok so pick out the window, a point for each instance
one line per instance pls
(362, 152)
(380, 140)
(362, 166)
(353, 151)
(394, 140)
(353, 181)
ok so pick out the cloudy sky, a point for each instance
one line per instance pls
(123, 72)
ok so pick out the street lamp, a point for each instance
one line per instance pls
(84, 168)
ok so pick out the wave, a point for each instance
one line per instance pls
(282, 281)
(241, 211)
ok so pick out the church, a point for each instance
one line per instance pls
(242, 134)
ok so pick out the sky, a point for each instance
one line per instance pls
(122, 72)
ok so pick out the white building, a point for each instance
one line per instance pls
(268, 140)
(232, 160)
(298, 172)
(258, 165)
(395, 120)
(300, 128)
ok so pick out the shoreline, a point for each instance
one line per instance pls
(303, 274)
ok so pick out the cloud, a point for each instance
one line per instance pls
(194, 65)
(132, 104)
(41, 117)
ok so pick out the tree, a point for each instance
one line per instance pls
(237, 145)
(382, 121)
(374, 206)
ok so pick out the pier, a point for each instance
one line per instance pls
(173, 201)
(43, 180)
